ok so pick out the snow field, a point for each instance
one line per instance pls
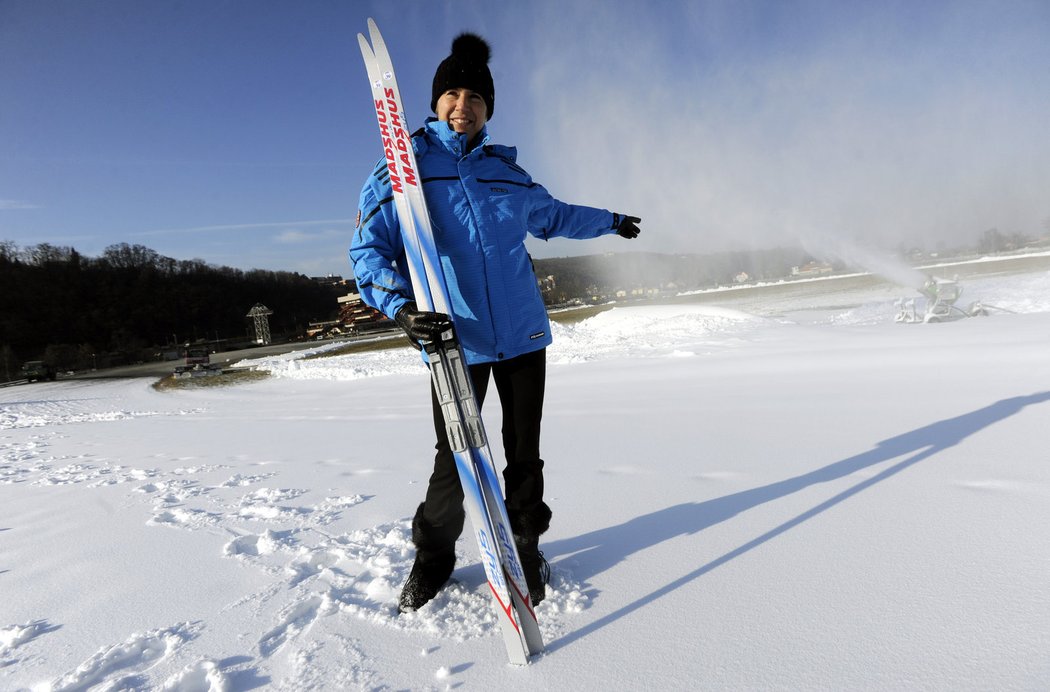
(805, 497)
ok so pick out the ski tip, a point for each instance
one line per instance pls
(366, 49)
(377, 38)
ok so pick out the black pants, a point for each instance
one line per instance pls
(519, 383)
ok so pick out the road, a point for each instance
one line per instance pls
(226, 359)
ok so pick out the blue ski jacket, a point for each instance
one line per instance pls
(482, 204)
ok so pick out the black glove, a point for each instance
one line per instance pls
(421, 326)
(628, 227)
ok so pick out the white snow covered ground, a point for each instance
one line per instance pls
(778, 490)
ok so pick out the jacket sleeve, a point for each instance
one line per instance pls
(377, 250)
(552, 218)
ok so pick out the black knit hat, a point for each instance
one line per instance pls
(466, 68)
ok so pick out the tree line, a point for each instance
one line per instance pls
(132, 304)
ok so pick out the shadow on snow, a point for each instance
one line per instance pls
(603, 548)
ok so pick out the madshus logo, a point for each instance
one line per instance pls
(395, 141)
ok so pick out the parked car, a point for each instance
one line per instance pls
(38, 370)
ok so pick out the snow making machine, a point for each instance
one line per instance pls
(941, 296)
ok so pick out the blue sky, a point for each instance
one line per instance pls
(239, 132)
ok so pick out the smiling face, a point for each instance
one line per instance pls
(464, 111)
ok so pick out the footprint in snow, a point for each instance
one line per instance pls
(295, 619)
(240, 480)
(123, 474)
(172, 492)
(180, 517)
(204, 675)
(69, 474)
(312, 563)
(264, 504)
(331, 509)
(14, 636)
(254, 545)
(121, 665)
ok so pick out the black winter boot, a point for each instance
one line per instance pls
(435, 559)
(537, 570)
(424, 582)
(527, 527)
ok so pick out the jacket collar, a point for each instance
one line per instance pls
(443, 136)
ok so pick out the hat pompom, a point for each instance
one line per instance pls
(471, 48)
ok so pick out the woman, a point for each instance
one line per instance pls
(482, 205)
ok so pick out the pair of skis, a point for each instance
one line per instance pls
(483, 497)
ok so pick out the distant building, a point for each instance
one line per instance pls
(356, 317)
(330, 280)
(812, 269)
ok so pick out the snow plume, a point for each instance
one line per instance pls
(860, 257)
(898, 130)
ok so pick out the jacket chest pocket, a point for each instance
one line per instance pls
(501, 209)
